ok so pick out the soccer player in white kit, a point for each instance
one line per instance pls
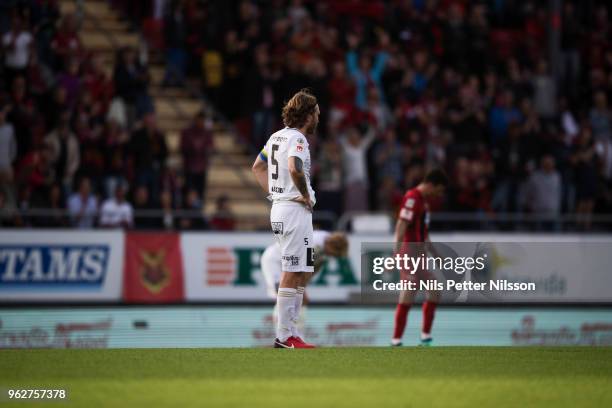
(282, 168)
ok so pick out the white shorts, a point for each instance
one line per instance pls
(292, 227)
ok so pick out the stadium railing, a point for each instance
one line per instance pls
(41, 217)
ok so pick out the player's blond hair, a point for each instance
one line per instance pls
(298, 108)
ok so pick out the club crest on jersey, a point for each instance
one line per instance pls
(299, 148)
(277, 228)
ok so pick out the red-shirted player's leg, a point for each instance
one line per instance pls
(401, 316)
(429, 310)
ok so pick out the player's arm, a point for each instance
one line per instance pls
(260, 169)
(405, 217)
(296, 170)
(400, 231)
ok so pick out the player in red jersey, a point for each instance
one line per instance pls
(412, 227)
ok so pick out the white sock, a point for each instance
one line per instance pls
(286, 307)
(299, 298)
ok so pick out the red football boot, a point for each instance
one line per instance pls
(292, 342)
(302, 344)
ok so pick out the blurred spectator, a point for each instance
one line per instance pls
(17, 45)
(194, 218)
(54, 215)
(364, 72)
(196, 147)
(97, 82)
(70, 80)
(234, 57)
(601, 117)
(388, 158)
(34, 172)
(130, 81)
(22, 115)
(175, 34)
(354, 149)
(9, 216)
(342, 93)
(586, 177)
(571, 38)
(468, 119)
(40, 79)
(502, 115)
(143, 210)
(378, 110)
(43, 17)
(543, 194)
(8, 147)
(64, 151)
(116, 212)
(223, 218)
(545, 91)
(66, 43)
(330, 177)
(149, 152)
(259, 98)
(83, 206)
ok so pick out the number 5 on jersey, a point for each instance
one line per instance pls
(274, 162)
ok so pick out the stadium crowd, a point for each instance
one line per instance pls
(403, 86)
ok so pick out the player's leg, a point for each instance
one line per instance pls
(406, 298)
(287, 292)
(306, 260)
(299, 300)
(429, 311)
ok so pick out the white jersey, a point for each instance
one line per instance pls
(285, 143)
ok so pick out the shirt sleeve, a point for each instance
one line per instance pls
(297, 147)
(410, 209)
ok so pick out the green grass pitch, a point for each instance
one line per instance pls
(334, 377)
